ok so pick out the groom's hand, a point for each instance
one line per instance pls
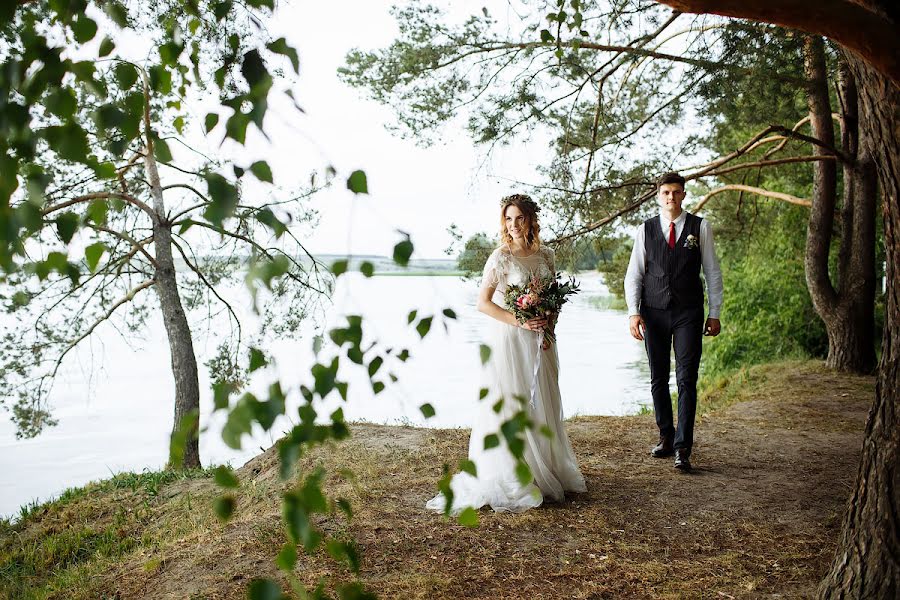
(637, 326)
(712, 328)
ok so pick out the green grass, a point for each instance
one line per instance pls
(767, 380)
(57, 546)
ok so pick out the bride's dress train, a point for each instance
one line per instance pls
(508, 375)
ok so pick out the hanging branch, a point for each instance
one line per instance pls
(753, 190)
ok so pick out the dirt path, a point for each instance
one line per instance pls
(759, 517)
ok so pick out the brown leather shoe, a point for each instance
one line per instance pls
(664, 448)
(682, 459)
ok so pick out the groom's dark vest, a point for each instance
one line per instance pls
(672, 277)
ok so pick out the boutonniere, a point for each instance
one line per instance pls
(691, 242)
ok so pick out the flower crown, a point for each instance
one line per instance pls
(521, 198)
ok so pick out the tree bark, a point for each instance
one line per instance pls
(868, 28)
(821, 214)
(849, 311)
(181, 345)
(867, 562)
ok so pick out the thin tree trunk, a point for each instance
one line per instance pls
(867, 561)
(181, 345)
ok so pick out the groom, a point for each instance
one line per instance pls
(665, 305)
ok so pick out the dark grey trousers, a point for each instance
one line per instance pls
(681, 327)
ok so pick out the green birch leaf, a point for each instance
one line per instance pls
(287, 558)
(375, 365)
(262, 171)
(225, 477)
(224, 507)
(424, 326)
(106, 47)
(221, 9)
(402, 252)
(126, 75)
(66, 226)
(97, 211)
(84, 29)
(485, 352)
(212, 119)
(523, 473)
(357, 183)
(257, 359)
(92, 255)
(254, 69)
(117, 12)
(161, 150)
(268, 218)
(224, 198)
(264, 589)
(280, 46)
(339, 267)
(344, 552)
(468, 517)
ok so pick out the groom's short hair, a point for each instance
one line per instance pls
(670, 177)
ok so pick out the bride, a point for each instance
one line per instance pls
(510, 373)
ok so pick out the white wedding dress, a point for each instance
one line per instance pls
(509, 373)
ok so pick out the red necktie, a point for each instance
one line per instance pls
(672, 235)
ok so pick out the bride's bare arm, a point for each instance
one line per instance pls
(491, 309)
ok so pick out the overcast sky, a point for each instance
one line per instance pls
(418, 190)
(421, 191)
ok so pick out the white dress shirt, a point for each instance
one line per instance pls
(634, 277)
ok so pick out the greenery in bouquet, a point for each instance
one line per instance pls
(539, 297)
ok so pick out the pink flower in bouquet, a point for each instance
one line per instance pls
(526, 300)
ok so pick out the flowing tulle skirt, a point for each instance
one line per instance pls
(509, 374)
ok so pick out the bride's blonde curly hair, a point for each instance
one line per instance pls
(530, 210)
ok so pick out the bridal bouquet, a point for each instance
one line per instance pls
(539, 297)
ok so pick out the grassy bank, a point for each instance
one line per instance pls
(777, 447)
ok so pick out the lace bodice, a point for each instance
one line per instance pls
(504, 268)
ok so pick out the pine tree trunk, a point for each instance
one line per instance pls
(851, 330)
(848, 312)
(850, 347)
(867, 561)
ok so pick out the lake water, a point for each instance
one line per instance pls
(114, 401)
